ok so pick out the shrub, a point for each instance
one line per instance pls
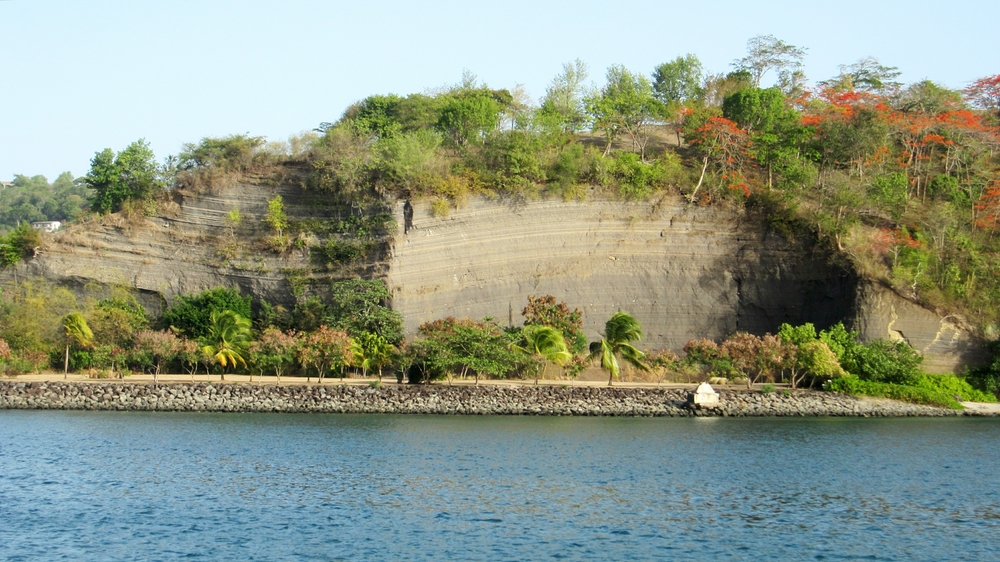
(190, 313)
(916, 395)
(954, 385)
(440, 207)
(629, 176)
(337, 252)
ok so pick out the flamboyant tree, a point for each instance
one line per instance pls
(723, 143)
(985, 93)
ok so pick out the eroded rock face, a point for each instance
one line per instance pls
(683, 271)
(186, 250)
(880, 313)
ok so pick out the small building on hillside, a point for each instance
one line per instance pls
(47, 226)
(6, 184)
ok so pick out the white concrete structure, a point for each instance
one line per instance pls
(47, 226)
(704, 397)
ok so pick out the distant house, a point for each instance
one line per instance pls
(47, 226)
(6, 184)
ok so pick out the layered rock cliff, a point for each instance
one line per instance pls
(684, 271)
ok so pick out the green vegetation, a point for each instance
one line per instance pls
(18, 244)
(191, 315)
(130, 176)
(619, 332)
(43, 326)
(34, 199)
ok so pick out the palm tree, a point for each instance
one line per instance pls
(546, 343)
(371, 351)
(620, 330)
(76, 329)
(228, 338)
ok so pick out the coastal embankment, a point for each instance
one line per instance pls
(545, 400)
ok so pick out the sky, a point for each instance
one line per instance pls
(80, 76)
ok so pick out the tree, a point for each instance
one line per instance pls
(815, 359)
(866, 75)
(76, 330)
(274, 350)
(189, 353)
(545, 344)
(469, 113)
(679, 80)
(161, 346)
(131, 175)
(228, 338)
(376, 115)
(372, 351)
(805, 355)
(360, 305)
(563, 101)
(325, 349)
(988, 208)
(191, 314)
(985, 93)
(545, 311)
(677, 84)
(619, 332)
(754, 356)
(766, 52)
(116, 319)
(452, 345)
(407, 158)
(722, 142)
(625, 105)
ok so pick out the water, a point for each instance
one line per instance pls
(99, 486)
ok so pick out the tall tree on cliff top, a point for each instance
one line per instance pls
(985, 93)
(765, 53)
(624, 106)
(563, 101)
(130, 175)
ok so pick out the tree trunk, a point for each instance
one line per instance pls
(704, 166)
(66, 364)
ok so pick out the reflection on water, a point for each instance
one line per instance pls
(222, 486)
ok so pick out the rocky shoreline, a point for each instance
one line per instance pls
(439, 399)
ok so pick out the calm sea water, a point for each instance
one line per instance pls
(100, 486)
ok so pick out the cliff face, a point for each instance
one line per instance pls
(879, 313)
(685, 272)
(188, 248)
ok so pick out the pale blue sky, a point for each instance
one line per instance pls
(79, 76)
